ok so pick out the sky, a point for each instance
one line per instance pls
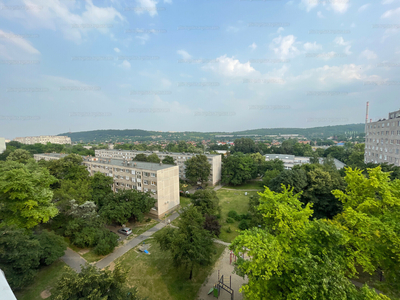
(176, 65)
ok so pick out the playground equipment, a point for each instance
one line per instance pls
(233, 257)
(216, 290)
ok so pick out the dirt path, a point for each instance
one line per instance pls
(226, 269)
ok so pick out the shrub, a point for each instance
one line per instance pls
(148, 219)
(244, 217)
(233, 214)
(218, 216)
(230, 220)
(228, 230)
(243, 225)
(106, 244)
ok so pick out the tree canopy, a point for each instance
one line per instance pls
(197, 169)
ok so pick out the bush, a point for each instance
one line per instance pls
(228, 230)
(244, 217)
(148, 219)
(233, 214)
(218, 216)
(230, 220)
(106, 243)
(243, 225)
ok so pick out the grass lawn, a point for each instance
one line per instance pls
(373, 281)
(250, 185)
(156, 277)
(184, 201)
(232, 200)
(46, 278)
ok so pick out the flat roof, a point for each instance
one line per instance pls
(156, 152)
(280, 156)
(58, 155)
(120, 163)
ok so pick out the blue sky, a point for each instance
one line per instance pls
(172, 65)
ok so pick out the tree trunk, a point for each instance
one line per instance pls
(191, 273)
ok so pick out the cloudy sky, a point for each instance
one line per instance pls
(176, 65)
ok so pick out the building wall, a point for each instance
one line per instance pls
(2, 145)
(180, 158)
(44, 139)
(382, 140)
(168, 190)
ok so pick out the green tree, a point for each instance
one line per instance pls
(127, 204)
(237, 169)
(245, 145)
(293, 178)
(269, 175)
(197, 169)
(212, 225)
(100, 185)
(25, 195)
(20, 155)
(92, 283)
(153, 158)
(206, 201)
(275, 164)
(52, 247)
(169, 160)
(140, 157)
(295, 257)
(190, 244)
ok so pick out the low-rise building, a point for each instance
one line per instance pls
(44, 139)
(2, 145)
(161, 180)
(289, 161)
(179, 158)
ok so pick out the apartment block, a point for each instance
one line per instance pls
(2, 145)
(44, 139)
(159, 179)
(179, 158)
(382, 140)
(289, 161)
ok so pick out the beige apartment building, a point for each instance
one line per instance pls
(382, 140)
(2, 145)
(44, 139)
(159, 179)
(179, 158)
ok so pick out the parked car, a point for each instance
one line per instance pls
(125, 231)
(199, 188)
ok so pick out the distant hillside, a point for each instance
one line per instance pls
(324, 131)
(131, 135)
(107, 135)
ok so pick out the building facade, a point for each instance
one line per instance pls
(179, 158)
(289, 161)
(2, 145)
(44, 139)
(382, 140)
(161, 180)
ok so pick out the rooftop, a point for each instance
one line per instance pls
(156, 152)
(128, 164)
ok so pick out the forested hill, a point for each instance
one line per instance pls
(107, 135)
(325, 131)
(130, 135)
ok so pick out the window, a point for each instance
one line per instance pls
(153, 174)
(139, 176)
(146, 190)
(139, 185)
(153, 183)
(133, 179)
(154, 191)
(127, 177)
(133, 172)
(145, 182)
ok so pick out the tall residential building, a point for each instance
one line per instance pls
(44, 139)
(382, 140)
(2, 145)
(179, 158)
(160, 179)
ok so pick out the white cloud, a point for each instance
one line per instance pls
(143, 38)
(165, 82)
(340, 6)
(363, 7)
(184, 54)
(280, 29)
(117, 50)
(320, 15)
(13, 46)
(149, 6)
(284, 46)
(312, 46)
(341, 42)
(253, 46)
(368, 54)
(230, 67)
(391, 12)
(387, 1)
(125, 65)
(309, 4)
(58, 15)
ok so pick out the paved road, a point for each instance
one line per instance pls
(73, 259)
(249, 190)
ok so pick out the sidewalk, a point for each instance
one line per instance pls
(73, 259)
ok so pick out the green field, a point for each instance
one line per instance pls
(155, 276)
(251, 185)
(46, 279)
(232, 200)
